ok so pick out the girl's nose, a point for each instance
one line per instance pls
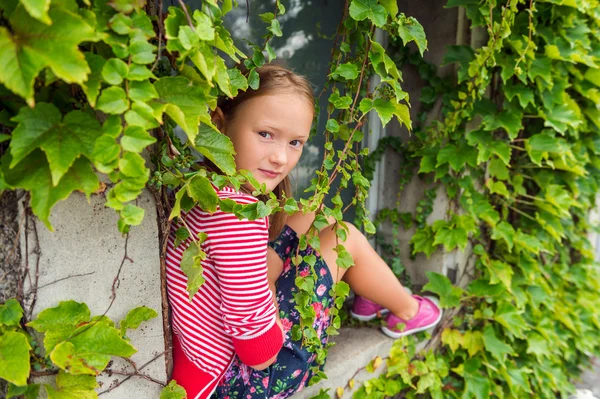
(278, 155)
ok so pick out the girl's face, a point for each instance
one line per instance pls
(268, 133)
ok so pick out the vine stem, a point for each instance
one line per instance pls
(187, 15)
(522, 213)
(160, 25)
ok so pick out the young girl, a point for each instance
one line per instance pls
(233, 340)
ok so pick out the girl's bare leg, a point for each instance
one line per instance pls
(370, 277)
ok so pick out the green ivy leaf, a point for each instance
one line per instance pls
(89, 349)
(291, 206)
(507, 315)
(11, 313)
(498, 169)
(493, 345)
(504, 231)
(142, 91)
(14, 352)
(387, 109)
(343, 102)
(217, 148)
(204, 26)
(113, 100)
(30, 391)
(344, 258)
(201, 191)
(500, 272)
(237, 80)
(497, 187)
(270, 52)
(528, 243)
(411, 30)
(63, 140)
(476, 385)
(114, 71)
(71, 386)
(38, 9)
(192, 268)
(348, 71)
(422, 241)
(509, 120)
(482, 287)
(139, 73)
(441, 285)
(133, 165)
(91, 87)
(275, 28)
(362, 9)
(137, 316)
(135, 139)
(24, 51)
(141, 51)
(451, 236)
(181, 100)
(132, 215)
(173, 391)
(66, 313)
(391, 6)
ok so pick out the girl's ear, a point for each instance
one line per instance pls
(218, 118)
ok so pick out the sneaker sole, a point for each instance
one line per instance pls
(396, 335)
(369, 317)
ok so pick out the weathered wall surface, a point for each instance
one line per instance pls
(87, 260)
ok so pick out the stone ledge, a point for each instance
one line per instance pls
(354, 349)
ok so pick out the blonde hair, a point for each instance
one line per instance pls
(273, 78)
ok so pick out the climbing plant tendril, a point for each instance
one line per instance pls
(517, 151)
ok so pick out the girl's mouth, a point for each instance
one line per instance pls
(269, 173)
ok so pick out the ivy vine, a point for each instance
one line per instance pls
(517, 153)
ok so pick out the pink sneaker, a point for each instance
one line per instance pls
(365, 310)
(428, 316)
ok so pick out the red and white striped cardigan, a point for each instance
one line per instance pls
(233, 312)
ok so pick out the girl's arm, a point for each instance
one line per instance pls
(239, 252)
(274, 270)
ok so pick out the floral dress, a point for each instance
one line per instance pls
(292, 370)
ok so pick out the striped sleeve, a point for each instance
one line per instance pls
(238, 249)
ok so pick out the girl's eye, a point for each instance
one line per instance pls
(296, 143)
(266, 135)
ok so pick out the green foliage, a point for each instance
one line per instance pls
(75, 345)
(522, 177)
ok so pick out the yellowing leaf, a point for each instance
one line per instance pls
(452, 338)
(14, 352)
(339, 392)
(89, 349)
(71, 386)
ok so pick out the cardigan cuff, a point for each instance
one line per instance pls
(260, 349)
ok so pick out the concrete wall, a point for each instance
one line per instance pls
(80, 261)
